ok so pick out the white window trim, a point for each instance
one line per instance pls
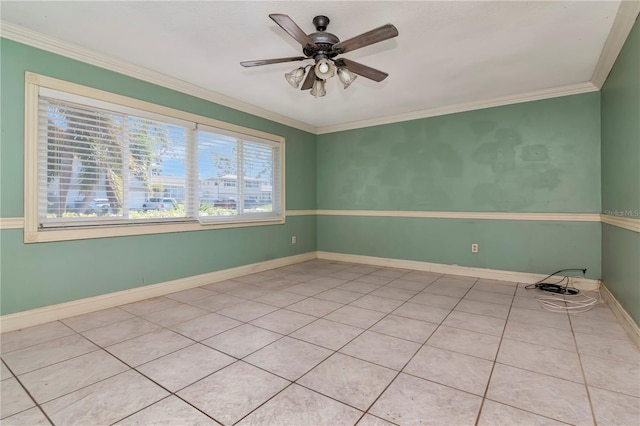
(32, 232)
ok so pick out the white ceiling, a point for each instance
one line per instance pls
(448, 53)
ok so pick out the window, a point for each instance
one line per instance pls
(236, 165)
(88, 153)
(100, 160)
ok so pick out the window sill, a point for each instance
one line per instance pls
(68, 234)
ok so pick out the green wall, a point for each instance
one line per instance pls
(541, 156)
(527, 246)
(575, 154)
(34, 275)
(621, 174)
(620, 270)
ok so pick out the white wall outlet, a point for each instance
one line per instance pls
(474, 248)
(294, 239)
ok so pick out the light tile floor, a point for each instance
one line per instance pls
(326, 343)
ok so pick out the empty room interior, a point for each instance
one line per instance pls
(433, 218)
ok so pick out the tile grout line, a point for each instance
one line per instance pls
(387, 314)
(584, 376)
(143, 408)
(44, 341)
(175, 394)
(266, 401)
(524, 369)
(236, 360)
(355, 337)
(251, 284)
(196, 342)
(400, 371)
(292, 382)
(306, 297)
(37, 404)
(60, 362)
(495, 360)
(131, 368)
(29, 395)
(323, 360)
(166, 328)
(135, 369)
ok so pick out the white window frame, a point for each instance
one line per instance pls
(33, 233)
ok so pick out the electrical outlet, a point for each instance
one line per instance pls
(474, 248)
(294, 239)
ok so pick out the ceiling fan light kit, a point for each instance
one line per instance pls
(324, 69)
(295, 77)
(323, 47)
(346, 76)
(318, 90)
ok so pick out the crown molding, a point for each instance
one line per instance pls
(554, 92)
(622, 25)
(50, 44)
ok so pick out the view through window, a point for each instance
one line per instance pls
(105, 164)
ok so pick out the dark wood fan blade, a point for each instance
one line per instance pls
(308, 82)
(272, 61)
(363, 70)
(377, 35)
(293, 29)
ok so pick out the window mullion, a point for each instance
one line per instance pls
(192, 203)
(125, 168)
(278, 180)
(240, 179)
(41, 167)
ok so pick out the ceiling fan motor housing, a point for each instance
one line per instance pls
(322, 39)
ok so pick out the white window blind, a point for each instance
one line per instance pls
(98, 166)
(103, 164)
(238, 177)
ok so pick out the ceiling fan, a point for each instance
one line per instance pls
(323, 47)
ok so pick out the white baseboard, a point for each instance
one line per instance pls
(622, 315)
(46, 314)
(584, 284)
(440, 268)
